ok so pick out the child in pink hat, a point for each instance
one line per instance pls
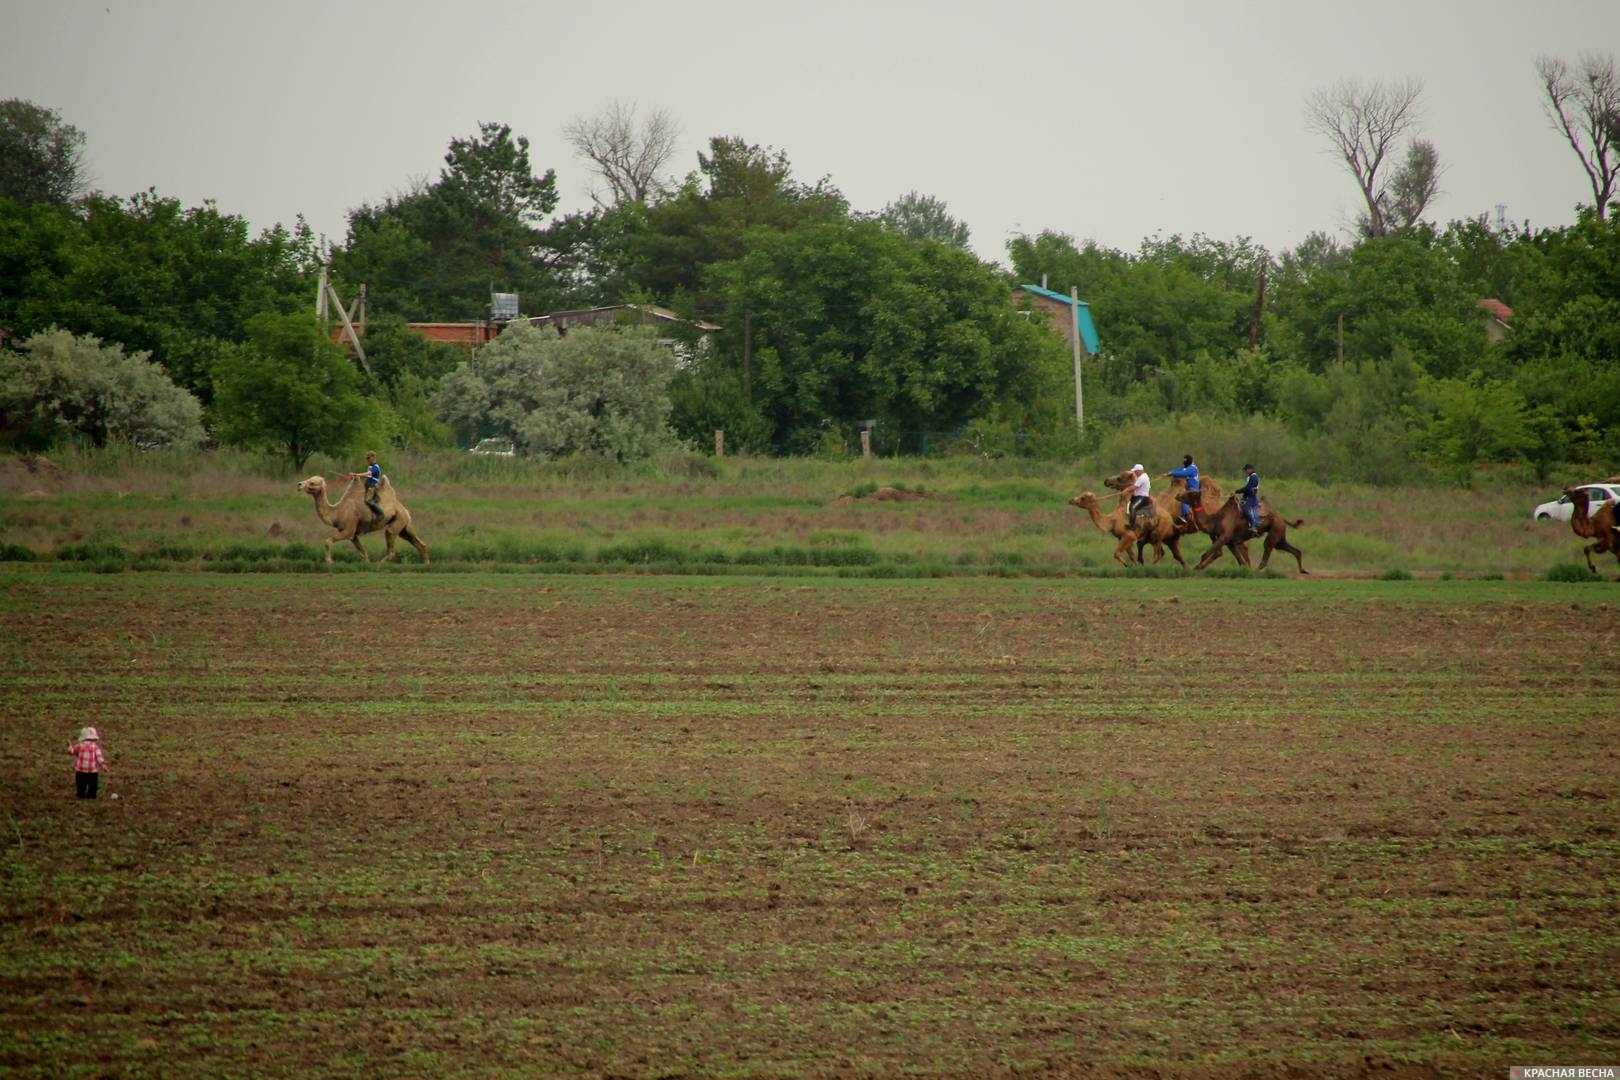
(88, 762)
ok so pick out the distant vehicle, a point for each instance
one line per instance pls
(502, 448)
(1561, 509)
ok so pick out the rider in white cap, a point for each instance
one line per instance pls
(1139, 494)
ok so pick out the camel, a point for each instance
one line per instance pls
(1156, 530)
(1168, 505)
(351, 517)
(1229, 529)
(1600, 527)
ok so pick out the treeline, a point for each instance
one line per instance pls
(1365, 360)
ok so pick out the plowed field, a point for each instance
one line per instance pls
(484, 824)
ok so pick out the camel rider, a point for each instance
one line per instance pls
(1139, 494)
(1249, 497)
(1189, 473)
(373, 475)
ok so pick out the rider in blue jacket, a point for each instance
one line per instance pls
(1189, 473)
(1249, 497)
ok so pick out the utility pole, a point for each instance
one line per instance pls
(1079, 400)
(1259, 306)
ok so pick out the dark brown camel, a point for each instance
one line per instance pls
(1228, 527)
(1599, 527)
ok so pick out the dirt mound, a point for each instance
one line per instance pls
(885, 494)
(25, 474)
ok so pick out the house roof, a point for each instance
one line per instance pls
(591, 316)
(1088, 329)
(1497, 308)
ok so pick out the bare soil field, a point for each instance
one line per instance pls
(487, 824)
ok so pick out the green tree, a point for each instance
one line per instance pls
(1474, 419)
(1394, 292)
(848, 321)
(158, 277)
(436, 252)
(290, 390)
(58, 383)
(667, 248)
(602, 390)
(41, 155)
(923, 217)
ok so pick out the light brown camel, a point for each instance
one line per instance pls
(352, 518)
(1167, 505)
(1600, 528)
(1229, 529)
(1161, 535)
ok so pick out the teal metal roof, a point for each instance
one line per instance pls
(1088, 329)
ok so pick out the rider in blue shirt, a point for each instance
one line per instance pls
(1189, 473)
(1249, 497)
(373, 475)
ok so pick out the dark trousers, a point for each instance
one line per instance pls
(1138, 505)
(85, 784)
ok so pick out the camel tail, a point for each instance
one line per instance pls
(1293, 524)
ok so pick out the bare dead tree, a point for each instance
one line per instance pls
(626, 155)
(1364, 122)
(1585, 108)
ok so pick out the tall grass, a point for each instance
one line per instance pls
(693, 514)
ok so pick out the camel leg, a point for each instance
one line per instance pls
(1283, 545)
(388, 541)
(1211, 555)
(416, 542)
(1175, 549)
(329, 542)
(354, 538)
(1122, 553)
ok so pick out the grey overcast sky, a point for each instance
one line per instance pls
(1108, 121)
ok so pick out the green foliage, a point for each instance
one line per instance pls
(1570, 572)
(149, 274)
(849, 321)
(669, 247)
(1474, 420)
(597, 391)
(41, 155)
(707, 399)
(59, 384)
(435, 252)
(923, 217)
(290, 390)
(396, 352)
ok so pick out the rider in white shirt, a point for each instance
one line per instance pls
(1139, 494)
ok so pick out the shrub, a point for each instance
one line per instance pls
(1569, 572)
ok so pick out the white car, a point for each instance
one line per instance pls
(1561, 509)
(502, 448)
